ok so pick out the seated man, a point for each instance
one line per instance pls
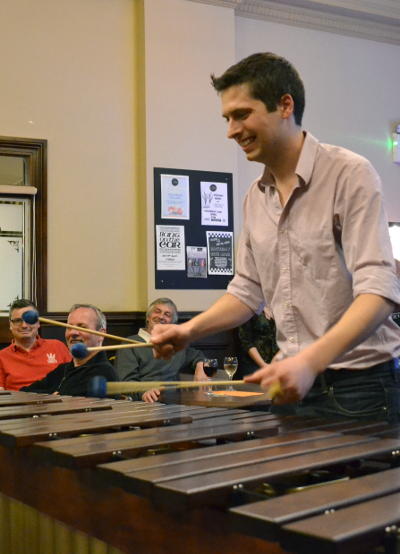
(140, 365)
(29, 357)
(72, 378)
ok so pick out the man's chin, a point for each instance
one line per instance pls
(72, 342)
(252, 156)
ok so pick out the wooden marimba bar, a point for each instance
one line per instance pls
(188, 479)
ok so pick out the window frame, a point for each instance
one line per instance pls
(34, 152)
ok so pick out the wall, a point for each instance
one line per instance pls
(68, 76)
(185, 42)
(352, 93)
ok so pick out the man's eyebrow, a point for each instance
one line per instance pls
(236, 111)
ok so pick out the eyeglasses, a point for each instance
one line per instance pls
(17, 321)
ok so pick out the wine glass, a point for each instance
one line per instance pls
(210, 367)
(230, 367)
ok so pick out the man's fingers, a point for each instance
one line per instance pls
(274, 391)
(259, 375)
(165, 352)
(151, 395)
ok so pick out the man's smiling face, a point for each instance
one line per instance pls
(255, 129)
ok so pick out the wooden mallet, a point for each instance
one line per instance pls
(31, 317)
(100, 387)
(80, 350)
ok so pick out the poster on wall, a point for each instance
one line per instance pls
(175, 197)
(196, 262)
(214, 204)
(220, 252)
(170, 247)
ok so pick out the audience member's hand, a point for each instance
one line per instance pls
(151, 395)
(199, 374)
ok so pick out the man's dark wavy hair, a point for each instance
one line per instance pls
(269, 77)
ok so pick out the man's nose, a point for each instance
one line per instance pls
(234, 128)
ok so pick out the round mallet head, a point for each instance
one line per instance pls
(97, 387)
(30, 317)
(79, 350)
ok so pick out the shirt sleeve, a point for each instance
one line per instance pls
(364, 230)
(246, 284)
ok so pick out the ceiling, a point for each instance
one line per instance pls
(370, 19)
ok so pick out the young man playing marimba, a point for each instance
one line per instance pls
(314, 247)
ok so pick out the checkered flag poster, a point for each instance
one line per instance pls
(220, 252)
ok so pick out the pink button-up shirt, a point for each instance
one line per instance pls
(309, 259)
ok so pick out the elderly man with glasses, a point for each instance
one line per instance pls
(29, 357)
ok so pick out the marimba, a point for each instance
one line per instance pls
(190, 479)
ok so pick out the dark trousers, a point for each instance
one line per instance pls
(372, 393)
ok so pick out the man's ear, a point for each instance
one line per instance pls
(286, 106)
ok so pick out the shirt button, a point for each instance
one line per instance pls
(291, 339)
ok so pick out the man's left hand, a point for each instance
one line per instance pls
(294, 375)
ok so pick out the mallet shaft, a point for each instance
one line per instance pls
(118, 346)
(90, 331)
(139, 386)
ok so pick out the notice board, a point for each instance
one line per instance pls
(193, 229)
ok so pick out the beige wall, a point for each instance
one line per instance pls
(352, 93)
(67, 76)
(185, 42)
(120, 86)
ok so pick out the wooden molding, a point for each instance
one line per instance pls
(368, 19)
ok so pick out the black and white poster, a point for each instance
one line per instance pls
(170, 247)
(220, 252)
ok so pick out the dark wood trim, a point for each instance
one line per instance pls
(35, 153)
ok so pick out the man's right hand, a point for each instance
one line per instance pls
(169, 339)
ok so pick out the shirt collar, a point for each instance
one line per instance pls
(304, 167)
(143, 334)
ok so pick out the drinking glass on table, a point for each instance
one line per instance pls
(230, 367)
(210, 367)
